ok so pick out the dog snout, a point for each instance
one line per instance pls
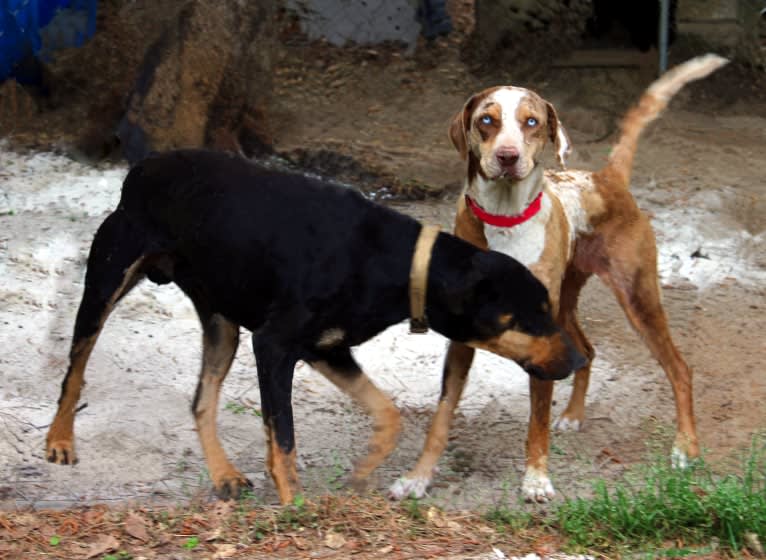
(576, 359)
(563, 359)
(507, 156)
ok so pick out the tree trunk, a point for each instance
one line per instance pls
(205, 82)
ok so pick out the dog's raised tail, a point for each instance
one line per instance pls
(652, 103)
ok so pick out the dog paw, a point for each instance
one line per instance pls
(537, 487)
(408, 488)
(566, 424)
(679, 459)
(232, 487)
(61, 452)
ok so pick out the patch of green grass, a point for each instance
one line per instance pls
(337, 475)
(121, 555)
(505, 518)
(297, 515)
(191, 543)
(413, 509)
(659, 504)
(556, 450)
(239, 408)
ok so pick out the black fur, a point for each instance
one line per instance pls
(289, 257)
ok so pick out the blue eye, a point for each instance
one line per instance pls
(486, 119)
(531, 121)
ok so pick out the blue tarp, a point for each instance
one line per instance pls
(39, 27)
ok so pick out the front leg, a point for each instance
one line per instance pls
(537, 487)
(454, 376)
(275, 378)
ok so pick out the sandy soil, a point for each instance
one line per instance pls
(699, 173)
(136, 438)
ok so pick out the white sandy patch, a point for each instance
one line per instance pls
(137, 434)
(723, 249)
(45, 181)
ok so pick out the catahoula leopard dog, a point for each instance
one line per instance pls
(565, 226)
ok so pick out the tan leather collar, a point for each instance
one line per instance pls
(419, 278)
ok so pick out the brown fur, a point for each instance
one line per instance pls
(619, 248)
(282, 467)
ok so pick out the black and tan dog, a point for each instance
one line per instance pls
(311, 269)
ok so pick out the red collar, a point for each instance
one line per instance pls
(500, 220)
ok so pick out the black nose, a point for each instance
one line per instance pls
(507, 156)
(576, 359)
(572, 360)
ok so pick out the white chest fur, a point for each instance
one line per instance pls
(524, 242)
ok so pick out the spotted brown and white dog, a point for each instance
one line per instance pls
(565, 226)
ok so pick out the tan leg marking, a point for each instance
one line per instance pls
(218, 350)
(385, 416)
(60, 447)
(282, 467)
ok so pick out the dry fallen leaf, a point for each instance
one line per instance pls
(385, 549)
(435, 517)
(135, 526)
(334, 540)
(225, 550)
(213, 535)
(222, 509)
(752, 542)
(300, 543)
(102, 545)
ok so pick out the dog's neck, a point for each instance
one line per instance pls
(505, 196)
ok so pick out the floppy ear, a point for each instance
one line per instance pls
(558, 136)
(458, 132)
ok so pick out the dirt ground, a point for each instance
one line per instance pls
(379, 113)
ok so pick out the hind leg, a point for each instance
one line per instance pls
(340, 367)
(114, 267)
(220, 339)
(574, 414)
(632, 275)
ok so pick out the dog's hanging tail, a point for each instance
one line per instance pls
(652, 103)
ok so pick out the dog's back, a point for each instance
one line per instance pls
(201, 194)
(254, 239)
